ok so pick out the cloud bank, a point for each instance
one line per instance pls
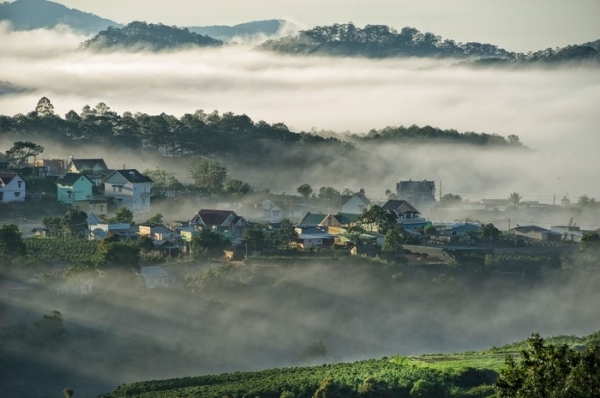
(554, 111)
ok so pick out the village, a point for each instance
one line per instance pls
(351, 222)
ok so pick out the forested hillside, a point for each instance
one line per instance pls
(141, 35)
(378, 41)
(381, 41)
(202, 133)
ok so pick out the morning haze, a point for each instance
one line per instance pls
(77, 311)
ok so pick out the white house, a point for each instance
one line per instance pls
(130, 188)
(156, 276)
(355, 204)
(12, 188)
(270, 211)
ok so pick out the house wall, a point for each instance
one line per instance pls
(354, 206)
(310, 243)
(80, 190)
(14, 191)
(98, 208)
(134, 196)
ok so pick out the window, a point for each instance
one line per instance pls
(120, 188)
(17, 194)
(69, 194)
(1, 195)
(19, 182)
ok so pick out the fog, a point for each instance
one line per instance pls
(356, 315)
(553, 111)
(271, 317)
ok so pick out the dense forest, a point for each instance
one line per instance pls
(141, 35)
(204, 134)
(381, 41)
(378, 41)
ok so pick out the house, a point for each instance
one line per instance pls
(166, 248)
(225, 221)
(74, 187)
(40, 232)
(95, 169)
(299, 210)
(156, 277)
(100, 231)
(270, 211)
(421, 193)
(130, 188)
(408, 215)
(537, 233)
(156, 232)
(311, 237)
(95, 206)
(355, 204)
(364, 249)
(49, 167)
(570, 232)
(85, 165)
(12, 188)
(328, 220)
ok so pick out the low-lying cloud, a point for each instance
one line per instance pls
(554, 111)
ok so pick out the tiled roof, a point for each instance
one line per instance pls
(312, 219)
(133, 176)
(5, 178)
(360, 195)
(395, 204)
(88, 163)
(71, 178)
(214, 217)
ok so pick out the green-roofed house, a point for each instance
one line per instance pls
(74, 187)
(328, 220)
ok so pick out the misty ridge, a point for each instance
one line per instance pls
(540, 106)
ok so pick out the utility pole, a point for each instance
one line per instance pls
(440, 191)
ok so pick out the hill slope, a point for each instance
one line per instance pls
(469, 374)
(36, 14)
(223, 32)
(378, 41)
(148, 36)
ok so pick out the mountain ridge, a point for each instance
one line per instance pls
(38, 14)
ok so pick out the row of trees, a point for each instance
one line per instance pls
(197, 133)
(378, 41)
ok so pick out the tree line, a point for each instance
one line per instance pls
(204, 134)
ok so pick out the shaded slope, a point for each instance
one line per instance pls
(36, 14)
(148, 36)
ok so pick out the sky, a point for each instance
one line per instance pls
(517, 25)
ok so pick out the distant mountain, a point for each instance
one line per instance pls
(148, 36)
(578, 54)
(223, 32)
(378, 41)
(36, 14)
